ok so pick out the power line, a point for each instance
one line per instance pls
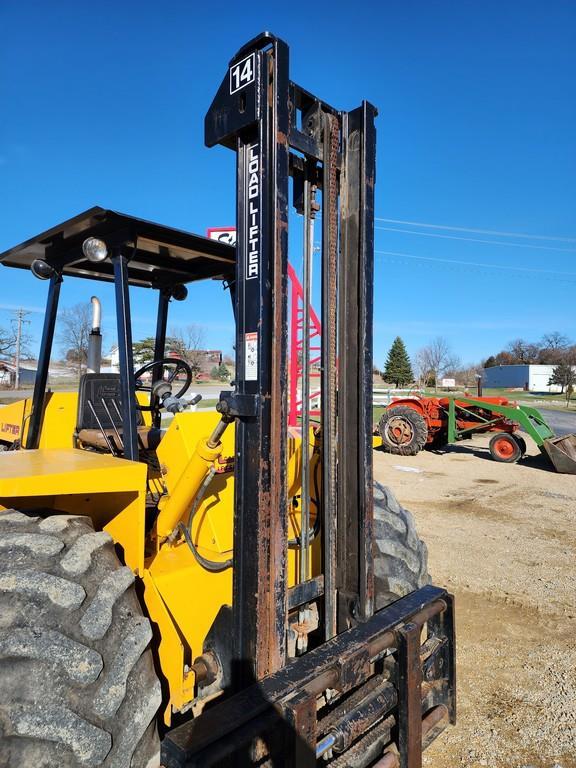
(476, 272)
(496, 232)
(15, 308)
(478, 240)
(477, 264)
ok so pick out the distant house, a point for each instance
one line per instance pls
(111, 363)
(204, 361)
(531, 378)
(8, 375)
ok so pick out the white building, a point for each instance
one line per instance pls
(532, 378)
(8, 374)
(114, 366)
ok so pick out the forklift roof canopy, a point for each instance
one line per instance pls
(158, 256)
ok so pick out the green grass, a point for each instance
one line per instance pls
(377, 411)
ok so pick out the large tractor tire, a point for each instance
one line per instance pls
(403, 430)
(77, 682)
(400, 557)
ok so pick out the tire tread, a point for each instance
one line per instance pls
(419, 427)
(72, 636)
(400, 557)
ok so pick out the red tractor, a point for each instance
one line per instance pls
(412, 423)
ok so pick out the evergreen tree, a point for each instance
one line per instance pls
(398, 369)
(143, 350)
(223, 372)
(563, 375)
(220, 372)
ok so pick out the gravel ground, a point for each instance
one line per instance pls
(502, 538)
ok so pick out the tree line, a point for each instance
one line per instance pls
(437, 360)
(553, 348)
(75, 323)
(427, 366)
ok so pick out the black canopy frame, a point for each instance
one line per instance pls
(140, 253)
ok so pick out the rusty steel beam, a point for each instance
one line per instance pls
(250, 115)
(410, 695)
(355, 302)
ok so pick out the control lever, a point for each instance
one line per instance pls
(163, 391)
(173, 404)
(176, 404)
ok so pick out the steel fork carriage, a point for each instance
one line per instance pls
(388, 688)
(376, 680)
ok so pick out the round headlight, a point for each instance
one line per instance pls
(179, 292)
(94, 249)
(41, 269)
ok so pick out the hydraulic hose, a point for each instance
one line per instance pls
(213, 566)
(295, 542)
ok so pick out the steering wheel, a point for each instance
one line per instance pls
(159, 366)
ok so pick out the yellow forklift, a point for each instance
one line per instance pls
(226, 591)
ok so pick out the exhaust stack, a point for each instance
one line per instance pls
(95, 338)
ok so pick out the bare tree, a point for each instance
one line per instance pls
(75, 324)
(554, 348)
(555, 340)
(466, 374)
(421, 368)
(523, 351)
(438, 358)
(188, 343)
(8, 339)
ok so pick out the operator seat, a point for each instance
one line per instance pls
(99, 423)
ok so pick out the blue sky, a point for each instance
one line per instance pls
(104, 104)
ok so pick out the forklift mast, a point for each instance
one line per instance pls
(279, 130)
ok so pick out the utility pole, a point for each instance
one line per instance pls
(20, 315)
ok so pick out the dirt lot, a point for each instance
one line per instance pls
(502, 538)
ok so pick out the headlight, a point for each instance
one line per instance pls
(179, 292)
(94, 249)
(41, 269)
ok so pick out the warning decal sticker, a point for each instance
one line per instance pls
(251, 356)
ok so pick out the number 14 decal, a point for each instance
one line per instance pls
(242, 74)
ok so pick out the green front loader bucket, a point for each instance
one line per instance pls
(562, 453)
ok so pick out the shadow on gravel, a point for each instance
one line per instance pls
(534, 462)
